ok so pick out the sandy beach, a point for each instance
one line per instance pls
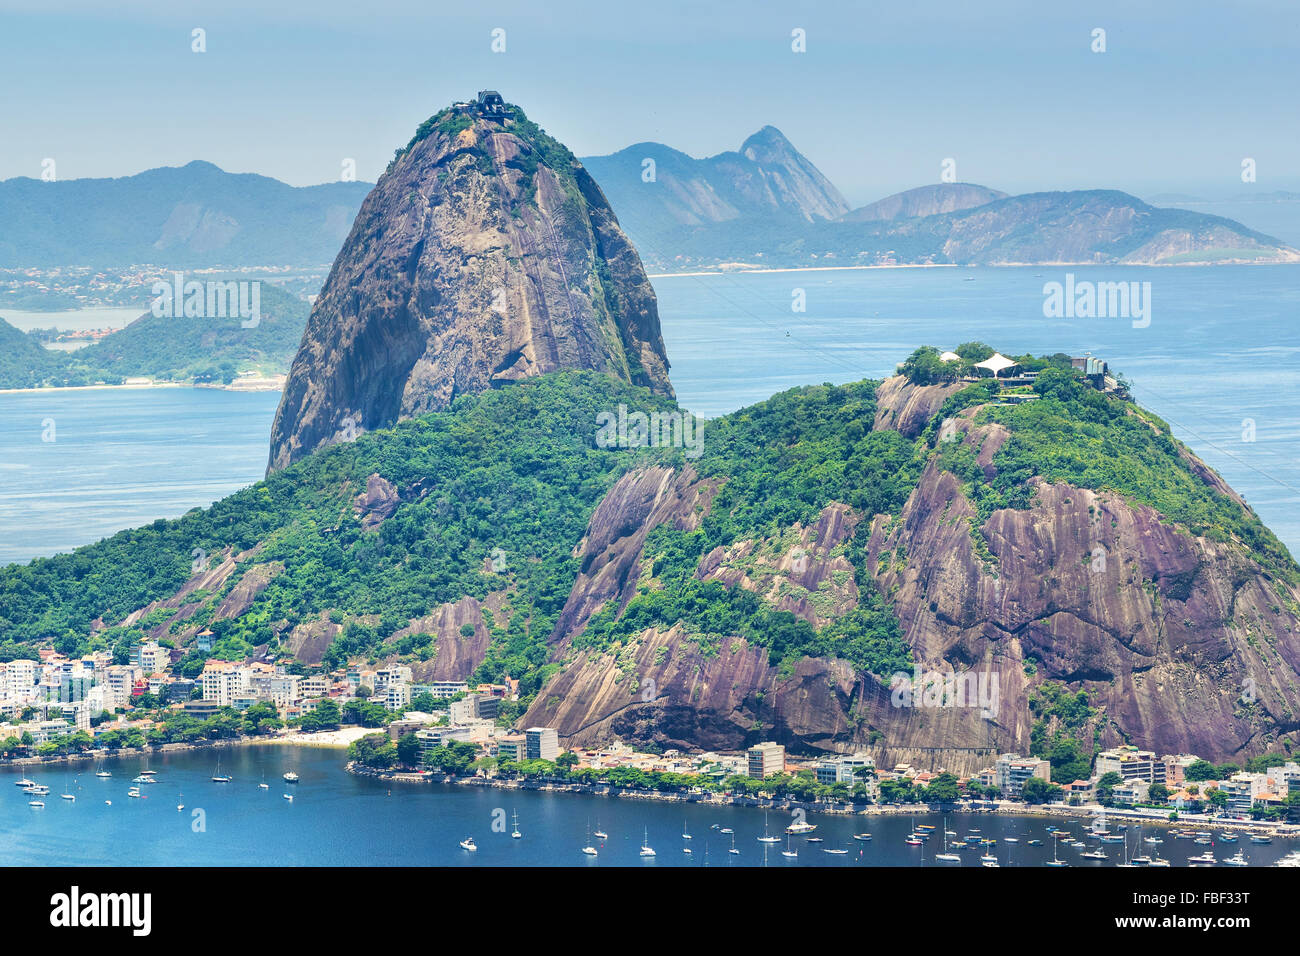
(322, 738)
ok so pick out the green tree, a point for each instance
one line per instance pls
(1037, 790)
(943, 789)
(408, 750)
(325, 716)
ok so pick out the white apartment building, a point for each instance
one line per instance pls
(394, 674)
(1012, 771)
(542, 743)
(1131, 764)
(223, 682)
(766, 759)
(118, 681)
(18, 680)
(1242, 789)
(395, 696)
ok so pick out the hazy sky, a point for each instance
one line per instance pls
(884, 93)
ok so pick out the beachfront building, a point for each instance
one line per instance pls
(766, 759)
(842, 768)
(1012, 771)
(1242, 789)
(434, 737)
(1131, 764)
(542, 743)
(1131, 792)
(512, 747)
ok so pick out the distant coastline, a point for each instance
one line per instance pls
(273, 384)
(745, 269)
(335, 739)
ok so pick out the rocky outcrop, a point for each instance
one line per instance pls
(1183, 644)
(804, 572)
(907, 408)
(376, 503)
(486, 254)
(610, 551)
(455, 655)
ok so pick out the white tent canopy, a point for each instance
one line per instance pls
(997, 363)
(949, 357)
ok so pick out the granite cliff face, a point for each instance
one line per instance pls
(486, 254)
(1183, 644)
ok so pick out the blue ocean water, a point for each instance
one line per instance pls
(338, 819)
(1221, 354)
(120, 458)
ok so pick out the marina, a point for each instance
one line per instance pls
(341, 818)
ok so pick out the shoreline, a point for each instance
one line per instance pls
(333, 739)
(1279, 830)
(264, 385)
(720, 271)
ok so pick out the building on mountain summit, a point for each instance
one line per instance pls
(491, 105)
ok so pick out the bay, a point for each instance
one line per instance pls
(1220, 361)
(339, 819)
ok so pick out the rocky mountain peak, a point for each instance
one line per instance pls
(485, 254)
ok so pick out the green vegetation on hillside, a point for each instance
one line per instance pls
(1080, 436)
(518, 469)
(179, 349)
(782, 461)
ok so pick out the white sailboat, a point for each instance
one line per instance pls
(787, 852)
(945, 856)
(646, 848)
(515, 834)
(218, 777)
(733, 851)
(588, 849)
(1055, 860)
(767, 836)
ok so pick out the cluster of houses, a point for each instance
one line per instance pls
(56, 696)
(1139, 771)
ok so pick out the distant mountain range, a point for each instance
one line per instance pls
(765, 205)
(183, 217)
(768, 205)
